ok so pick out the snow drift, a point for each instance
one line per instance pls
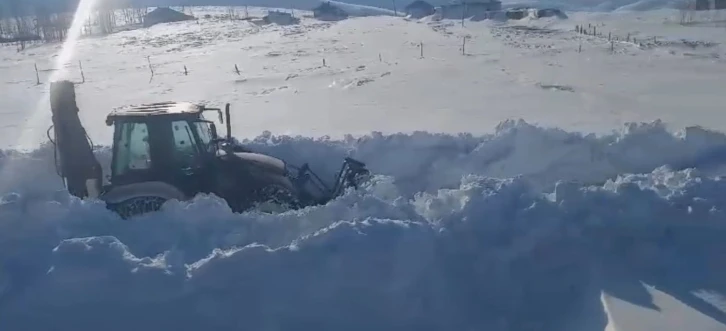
(512, 231)
(593, 5)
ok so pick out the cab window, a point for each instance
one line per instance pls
(133, 152)
(185, 147)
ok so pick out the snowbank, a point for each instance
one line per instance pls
(593, 5)
(456, 232)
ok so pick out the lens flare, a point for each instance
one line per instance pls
(33, 128)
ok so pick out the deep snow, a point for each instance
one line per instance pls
(513, 226)
(434, 243)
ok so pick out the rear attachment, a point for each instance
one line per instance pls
(81, 172)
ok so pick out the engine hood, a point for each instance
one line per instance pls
(265, 162)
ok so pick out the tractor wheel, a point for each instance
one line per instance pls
(138, 206)
(276, 198)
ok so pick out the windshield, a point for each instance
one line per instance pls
(204, 129)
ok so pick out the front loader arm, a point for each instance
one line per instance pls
(313, 190)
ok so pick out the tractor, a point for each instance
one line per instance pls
(169, 151)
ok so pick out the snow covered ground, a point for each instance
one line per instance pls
(572, 218)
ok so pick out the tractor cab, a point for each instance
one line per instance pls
(170, 142)
(169, 151)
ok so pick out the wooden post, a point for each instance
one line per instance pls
(83, 76)
(609, 36)
(421, 46)
(463, 46)
(236, 69)
(579, 49)
(185, 71)
(324, 64)
(148, 59)
(594, 31)
(380, 58)
(37, 75)
(612, 47)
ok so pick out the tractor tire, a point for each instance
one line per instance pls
(275, 198)
(137, 206)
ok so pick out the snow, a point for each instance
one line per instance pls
(601, 209)
(596, 6)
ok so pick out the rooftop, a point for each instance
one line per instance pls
(155, 109)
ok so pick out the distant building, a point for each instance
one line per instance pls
(280, 18)
(468, 9)
(551, 12)
(164, 15)
(516, 14)
(419, 9)
(328, 12)
(710, 4)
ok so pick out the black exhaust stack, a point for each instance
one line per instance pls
(79, 168)
(229, 124)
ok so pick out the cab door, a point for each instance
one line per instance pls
(191, 164)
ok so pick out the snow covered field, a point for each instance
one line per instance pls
(571, 219)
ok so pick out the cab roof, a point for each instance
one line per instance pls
(154, 109)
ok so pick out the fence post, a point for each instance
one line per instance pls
(37, 75)
(185, 71)
(236, 69)
(421, 46)
(148, 59)
(83, 76)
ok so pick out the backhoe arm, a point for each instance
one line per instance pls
(78, 166)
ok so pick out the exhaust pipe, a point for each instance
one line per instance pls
(229, 125)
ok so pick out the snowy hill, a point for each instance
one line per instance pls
(601, 209)
(583, 5)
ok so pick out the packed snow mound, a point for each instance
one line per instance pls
(510, 231)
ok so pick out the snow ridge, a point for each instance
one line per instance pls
(415, 249)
